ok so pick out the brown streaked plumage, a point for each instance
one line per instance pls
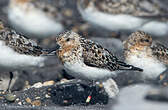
(18, 52)
(75, 49)
(141, 51)
(133, 7)
(161, 52)
(87, 60)
(20, 43)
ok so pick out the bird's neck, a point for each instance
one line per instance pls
(70, 55)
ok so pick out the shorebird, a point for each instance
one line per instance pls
(87, 60)
(141, 51)
(125, 15)
(17, 52)
(35, 18)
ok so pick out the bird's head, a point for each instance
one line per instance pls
(67, 40)
(138, 40)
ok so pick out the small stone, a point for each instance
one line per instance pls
(65, 101)
(64, 81)
(20, 103)
(37, 98)
(10, 97)
(47, 96)
(49, 89)
(27, 85)
(48, 83)
(36, 103)
(100, 85)
(37, 85)
(28, 100)
(17, 99)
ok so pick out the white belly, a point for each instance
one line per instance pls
(33, 22)
(123, 22)
(10, 60)
(82, 71)
(152, 67)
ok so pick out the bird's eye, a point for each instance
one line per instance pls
(68, 39)
(146, 40)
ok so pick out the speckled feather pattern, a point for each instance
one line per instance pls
(97, 56)
(90, 53)
(144, 42)
(133, 7)
(141, 51)
(20, 43)
(161, 52)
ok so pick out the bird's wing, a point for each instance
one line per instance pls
(20, 43)
(160, 51)
(96, 56)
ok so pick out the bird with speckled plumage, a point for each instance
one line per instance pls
(141, 51)
(35, 18)
(125, 15)
(18, 52)
(87, 60)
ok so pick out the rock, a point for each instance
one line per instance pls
(158, 94)
(36, 103)
(48, 83)
(72, 93)
(37, 85)
(10, 97)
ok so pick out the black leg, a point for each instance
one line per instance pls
(11, 77)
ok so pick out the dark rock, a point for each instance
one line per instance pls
(72, 93)
(158, 94)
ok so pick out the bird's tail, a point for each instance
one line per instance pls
(124, 66)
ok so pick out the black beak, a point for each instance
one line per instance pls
(51, 52)
(57, 47)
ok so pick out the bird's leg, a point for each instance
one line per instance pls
(11, 77)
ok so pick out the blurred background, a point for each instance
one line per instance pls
(68, 13)
(150, 16)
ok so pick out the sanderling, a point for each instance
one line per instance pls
(125, 15)
(19, 52)
(87, 60)
(141, 51)
(36, 18)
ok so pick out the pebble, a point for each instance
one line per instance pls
(48, 83)
(10, 97)
(36, 103)
(37, 85)
(28, 100)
